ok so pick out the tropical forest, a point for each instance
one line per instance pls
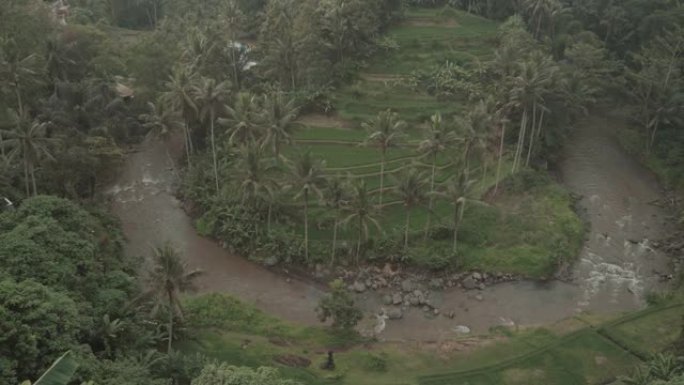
(341, 192)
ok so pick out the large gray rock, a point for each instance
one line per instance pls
(359, 287)
(413, 300)
(461, 329)
(469, 283)
(395, 313)
(270, 261)
(407, 285)
(476, 276)
(397, 299)
(436, 284)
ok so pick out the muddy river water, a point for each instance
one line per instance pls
(616, 268)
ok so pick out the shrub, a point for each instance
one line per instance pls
(339, 306)
(375, 363)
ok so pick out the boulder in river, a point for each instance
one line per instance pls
(397, 299)
(461, 329)
(395, 313)
(270, 261)
(359, 287)
(469, 283)
(407, 285)
(436, 284)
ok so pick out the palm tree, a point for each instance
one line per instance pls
(278, 121)
(411, 190)
(458, 191)
(255, 173)
(28, 139)
(166, 279)
(161, 120)
(210, 97)
(384, 131)
(542, 11)
(438, 138)
(179, 98)
(530, 86)
(361, 211)
(241, 120)
(336, 197)
(17, 71)
(307, 178)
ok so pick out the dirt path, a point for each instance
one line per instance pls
(616, 268)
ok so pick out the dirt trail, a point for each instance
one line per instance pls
(616, 268)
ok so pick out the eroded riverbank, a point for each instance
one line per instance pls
(616, 268)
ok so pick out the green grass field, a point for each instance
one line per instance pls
(526, 232)
(568, 353)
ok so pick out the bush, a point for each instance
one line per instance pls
(374, 363)
(432, 258)
(339, 306)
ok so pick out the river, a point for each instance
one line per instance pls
(615, 270)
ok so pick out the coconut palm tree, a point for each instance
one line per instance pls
(307, 178)
(255, 173)
(167, 278)
(210, 97)
(241, 120)
(29, 140)
(410, 188)
(278, 121)
(542, 11)
(384, 131)
(161, 120)
(458, 191)
(530, 86)
(17, 71)
(336, 197)
(362, 212)
(438, 138)
(179, 98)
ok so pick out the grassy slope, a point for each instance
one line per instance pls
(568, 353)
(524, 233)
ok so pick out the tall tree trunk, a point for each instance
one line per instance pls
(406, 230)
(26, 177)
(454, 246)
(213, 152)
(484, 173)
(168, 349)
(382, 175)
(649, 146)
(2, 148)
(33, 178)
(521, 141)
(334, 243)
(532, 134)
(432, 193)
(186, 134)
(358, 244)
(498, 166)
(306, 225)
(20, 103)
(457, 222)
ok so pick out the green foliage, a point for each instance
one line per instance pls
(36, 325)
(339, 307)
(60, 372)
(224, 374)
(374, 362)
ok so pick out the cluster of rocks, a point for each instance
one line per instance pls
(375, 279)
